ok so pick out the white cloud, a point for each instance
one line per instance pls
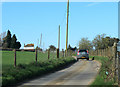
(92, 4)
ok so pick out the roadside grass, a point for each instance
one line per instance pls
(22, 57)
(101, 77)
(22, 72)
(27, 68)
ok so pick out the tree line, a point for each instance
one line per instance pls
(9, 41)
(99, 42)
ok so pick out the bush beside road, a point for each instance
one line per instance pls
(102, 77)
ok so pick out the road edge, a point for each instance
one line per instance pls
(97, 71)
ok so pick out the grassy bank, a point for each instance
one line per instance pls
(23, 57)
(101, 78)
(23, 72)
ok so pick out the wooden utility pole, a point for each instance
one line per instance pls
(14, 57)
(43, 45)
(119, 68)
(36, 54)
(59, 38)
(67, 27)
(63, 52)
(48, 53)
(118, 50)
(115, 61)
(118, 43)
(41, 40)
(38, 43)
(58, 42)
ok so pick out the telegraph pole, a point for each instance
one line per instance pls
(59, 38)
(58, 42)
(67, 27)
(38, 43)
(43, 45)
(41, 40)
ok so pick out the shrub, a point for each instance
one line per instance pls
(8, 80)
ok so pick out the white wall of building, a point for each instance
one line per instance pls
(28, 48)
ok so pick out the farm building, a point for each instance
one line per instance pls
(29, 47)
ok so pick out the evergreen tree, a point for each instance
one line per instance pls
(13, 42)
(69, 47)
(7, 40)
(17, 45)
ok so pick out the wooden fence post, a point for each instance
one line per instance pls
(48, 53)
(106, 52)
(36, 54)
(101, 52)
(63, 52)
(112, 51)
(119, 68)
(57, 52)
(98, 52)
(95, 52)
(15, 58)
(115, 60)
(109, 52)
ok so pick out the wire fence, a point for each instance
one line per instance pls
(15, 57)
(111, 65)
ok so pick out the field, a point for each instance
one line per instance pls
(22, 57)
(27, 68)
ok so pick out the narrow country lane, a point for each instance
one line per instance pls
(82, 72)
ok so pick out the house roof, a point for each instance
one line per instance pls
(29, 45)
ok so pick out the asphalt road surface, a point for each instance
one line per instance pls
(82, 72)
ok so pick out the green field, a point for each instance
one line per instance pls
(27, 68)
(22, 57)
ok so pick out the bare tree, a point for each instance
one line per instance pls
(2, 36)
(84, 43)
(102, 41)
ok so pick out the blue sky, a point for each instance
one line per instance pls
(86, 19)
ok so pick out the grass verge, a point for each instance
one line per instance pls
(102, 79)
(22, 72)
(23, 57)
